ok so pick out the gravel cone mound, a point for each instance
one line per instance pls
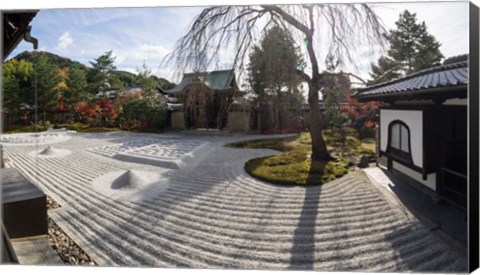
(131, 185)
(50, 152)
(129, 180)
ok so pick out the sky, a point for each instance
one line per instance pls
(138, 35)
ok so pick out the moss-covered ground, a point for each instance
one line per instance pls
(294, 166)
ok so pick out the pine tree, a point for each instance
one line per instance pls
(146, 81)
(101, 77)
(412, 49)
(428, 52)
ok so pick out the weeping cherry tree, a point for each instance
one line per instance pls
(328, 31)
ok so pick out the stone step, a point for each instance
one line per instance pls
(35, 251)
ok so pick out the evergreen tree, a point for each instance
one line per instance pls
(77, 84)
(428, 52)
(334, 94)
(146, 81)
(17, 83)
(412, 49)
(100, 77)
(47, 78)
(273, 78)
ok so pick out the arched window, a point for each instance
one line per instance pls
(399, 140)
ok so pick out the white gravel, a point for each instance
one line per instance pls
(214, 215)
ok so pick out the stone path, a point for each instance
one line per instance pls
(214, 215)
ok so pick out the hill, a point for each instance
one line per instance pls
(127, 78)
(60, 61)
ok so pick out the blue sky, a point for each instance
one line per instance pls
(134, 35)
(137, 35)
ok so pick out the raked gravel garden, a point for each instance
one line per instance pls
(183, 200)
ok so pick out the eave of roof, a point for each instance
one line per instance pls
(214, 80)
(424, 84)
(15, 25)
(439, 93)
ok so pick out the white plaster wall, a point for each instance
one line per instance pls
(430, 182)
(414, 120)
(456, 101)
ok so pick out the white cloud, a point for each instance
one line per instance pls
(82, 52)
(152, 51)
(118, 57)
(65, 40)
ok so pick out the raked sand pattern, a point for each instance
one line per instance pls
(32, 139)
(150, 147)
(211, 214)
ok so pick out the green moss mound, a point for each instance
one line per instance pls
(295, 169)
(294, 166)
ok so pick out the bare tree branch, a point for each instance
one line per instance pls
(357, 77)
(394, 68)
(304, 76)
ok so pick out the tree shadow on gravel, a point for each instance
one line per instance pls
(303, 249)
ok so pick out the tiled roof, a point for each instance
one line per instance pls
(215, 80)
(450, 75)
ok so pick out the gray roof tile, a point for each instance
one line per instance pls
(215, 80)
(450, 75)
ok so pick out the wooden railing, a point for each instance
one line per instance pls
(452, 187)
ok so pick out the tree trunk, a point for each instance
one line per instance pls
(319, 147)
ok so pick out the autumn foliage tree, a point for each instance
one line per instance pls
(86, 111)
(62, 89)
(363, 116)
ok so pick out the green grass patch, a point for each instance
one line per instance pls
(25, 129)
(86, 128)
(294, 166)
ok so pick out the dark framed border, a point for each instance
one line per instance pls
(473, 121)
